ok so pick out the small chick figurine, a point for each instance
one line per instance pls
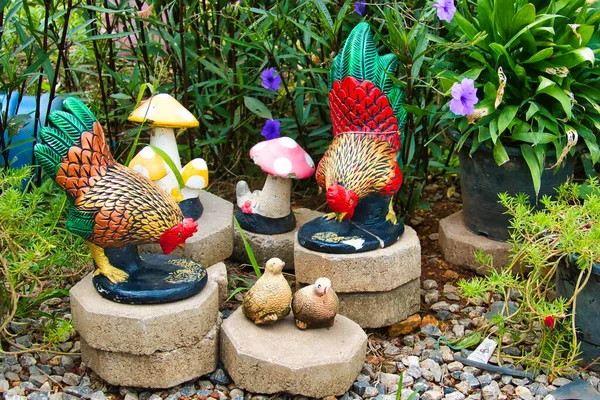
(315, 306)
(269, 299)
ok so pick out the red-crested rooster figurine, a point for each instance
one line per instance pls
(115, 208)
(360, 172)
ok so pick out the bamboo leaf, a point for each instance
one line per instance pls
(171, 165)
(506, 116)
(534, 166)
(257, 107)
(499, 152)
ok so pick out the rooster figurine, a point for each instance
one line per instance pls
(360, 170)
(114, 209)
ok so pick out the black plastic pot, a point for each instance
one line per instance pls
(482, 180)
(587, 312)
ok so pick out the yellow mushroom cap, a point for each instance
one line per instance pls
(149, 164)
(164, 111)
(195, 174)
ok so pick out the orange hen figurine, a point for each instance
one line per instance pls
(115, 208)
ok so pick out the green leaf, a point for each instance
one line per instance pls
(523, 17)
(540, 55)
(551, 88)
(257, 107)
(504, 12)
(248, 249)
(534, 166)
(533, 109)
(575, 57)
(500, 155)
(324, 12)
(591, 142)
(506, 116)
(171, 165)
(465, 26)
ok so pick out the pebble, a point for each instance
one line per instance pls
(455, 396)
(431, 330)
(432, 395)
(72, 379)
(99, 395)
(38, 396)
(4, 385)
(431, 297)
(491, 391)
(220, 377)
(558, 382)
(455, 366)
(440, 305)
(430, 284)
(434, 368)
(523, 393)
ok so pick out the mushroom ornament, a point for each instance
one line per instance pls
(268, 211)
(166, 114)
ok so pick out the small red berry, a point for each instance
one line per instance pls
(549, 321)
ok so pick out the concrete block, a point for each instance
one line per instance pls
(283, 358)
(213, 242)
(458, 245)
(375, 310)
(142, 329)
(269, 246)
(218, 273)
(372, 271)
(161, 369)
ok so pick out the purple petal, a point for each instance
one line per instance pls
(457, 107)
(271, 79)
(467, 84)
(457, 90)
(445, 9)
(271, 129)
(360, 7)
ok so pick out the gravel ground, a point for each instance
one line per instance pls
(427, 369)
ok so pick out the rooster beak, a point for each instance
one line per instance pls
(340, 216)
(325, 290)
(181, 246)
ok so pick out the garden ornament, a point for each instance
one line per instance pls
(115, 209)
(166, 114)
(360, 171)
(316, 305)
(268, 211)
(269, 299)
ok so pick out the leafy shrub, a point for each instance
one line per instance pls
(38, 256)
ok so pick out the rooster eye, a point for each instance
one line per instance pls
(179, 234)
(319, 286)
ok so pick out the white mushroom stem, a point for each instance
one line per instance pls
(275, 197)
(164, 139)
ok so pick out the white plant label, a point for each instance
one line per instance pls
(484, 351)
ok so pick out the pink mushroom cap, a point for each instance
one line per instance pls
(283, 157)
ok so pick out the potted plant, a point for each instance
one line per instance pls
(556, 319)
(526, 93)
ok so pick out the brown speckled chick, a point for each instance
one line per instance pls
(315, 306)
(269, 299)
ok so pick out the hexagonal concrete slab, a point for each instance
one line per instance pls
(372, 271)
(213, 242)
(378, 309)
(458, 245)
(218, 273)
(269, 246)
(161, 369)
(283, 358)
(142, 329)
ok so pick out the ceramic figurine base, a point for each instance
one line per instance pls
(213, 242)
(153, 278)
(458, 245)
(264, 225)
(268, 246)
(376, 288)
(367, 230)
(283, 358)
(191, 208)
(158, 346)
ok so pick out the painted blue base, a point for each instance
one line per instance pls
(367, 230)
(153, 278)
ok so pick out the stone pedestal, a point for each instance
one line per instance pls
(269, 246)
(458, 245)
(376, 288)
(213, 242)
(154, 346)
(283, 358)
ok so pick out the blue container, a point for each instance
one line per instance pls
(22, 144)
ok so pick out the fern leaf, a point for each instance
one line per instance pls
(68, 124)
(80, 223)
(387, 64)
(80, 111)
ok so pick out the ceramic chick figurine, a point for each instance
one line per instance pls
(269, 299)
(315, 306)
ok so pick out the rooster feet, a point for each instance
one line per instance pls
(391, 215)
(330, 216)
(301, 324)
(105, 268)
(266, 319)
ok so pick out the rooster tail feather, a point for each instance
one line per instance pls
(65, 132)
(359, 59)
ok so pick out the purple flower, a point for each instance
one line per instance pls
(445, 9)
(464, 97)
(271, 79)
(271, 129)
(360, 7)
